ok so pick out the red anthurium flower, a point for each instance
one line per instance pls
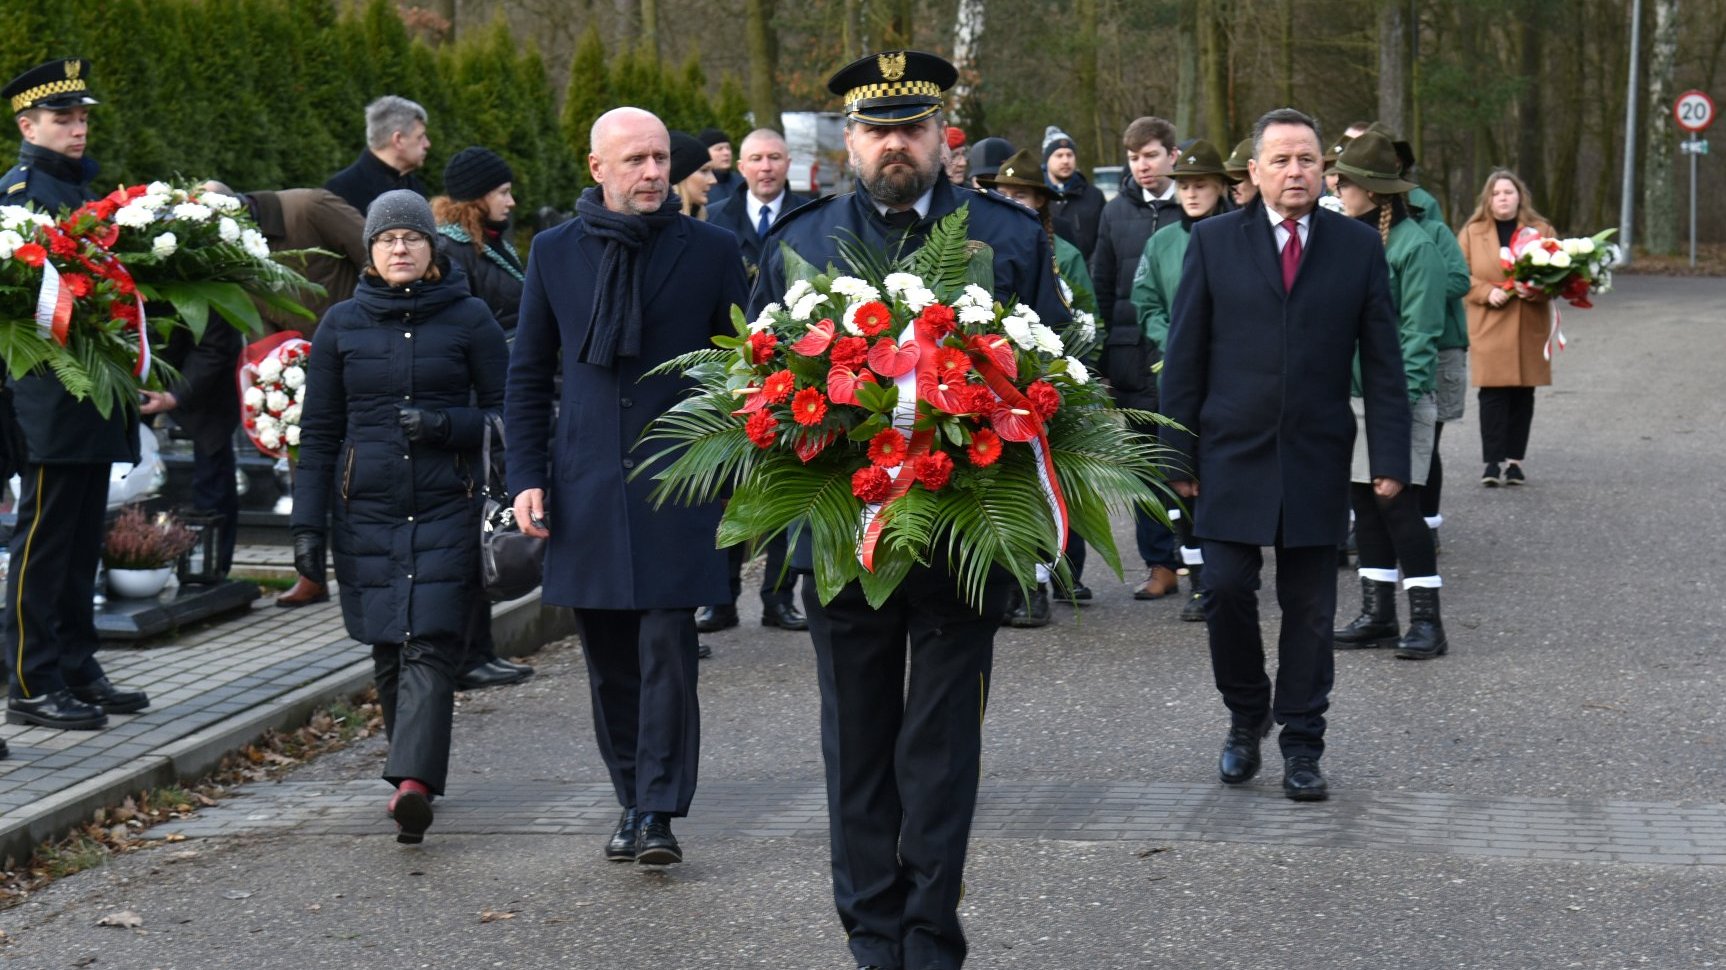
(937, 320)
(934, 469)
(813, 444)
(887, 449)
(948, 394)
(891, 360)
(752, 401)
(107, 236)
(778, 386)
(1014, 424)
(871, 484)
(998, 349)
(816, 340)
(842, 384)
(985, 448)
(1044, 398)
(808, 407)
(761, 429)
(873, 317)
(136, 191)
(850, 352)
(76, 284)
(761, 346)
(31, 253)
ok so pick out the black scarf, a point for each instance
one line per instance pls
(615, 328)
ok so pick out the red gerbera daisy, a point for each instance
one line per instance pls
(778, 386)
(887, 449)
(951, 363)
(873, 317)
(808, 407)
(985, 448)
(32, 254)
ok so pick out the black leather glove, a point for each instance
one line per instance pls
(428, 425)
(309, 554)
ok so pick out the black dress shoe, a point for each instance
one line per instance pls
(784, 616)
(111, 699)
(1240, 758)
(494, 673)
(621, 848)
(57, 710)
(712, 619)
(1031, 613)
(4, 751)
(703, 652)
(654, 843)
(1302, 781)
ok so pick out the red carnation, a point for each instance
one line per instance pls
(952, 364)
(808, 407)
(934, 469)
(761, 429)
(938, 320)
(850, 352)
(1044, 398)
(985, 448)
(761, 346)
(871, 484)
(887, 449)
(980, 400)
(125, 312)
(76, 284)
(873, 317)
(778, 386)
(61, 244)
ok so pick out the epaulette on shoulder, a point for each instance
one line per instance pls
(1002, 201)
(804, 209)
(18, 186)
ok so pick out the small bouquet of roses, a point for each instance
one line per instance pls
(1567, 268)
(274, 380)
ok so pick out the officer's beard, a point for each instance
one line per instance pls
(900, 186)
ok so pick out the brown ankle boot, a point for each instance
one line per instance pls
(304, 593)
(1161, 583)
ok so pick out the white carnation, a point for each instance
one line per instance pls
(293, 376)
(1561, 260)
(291, 414)
(1048, 341)
(917, 297)
(855, 290)
(899, 283)
(165, 245)
(253, 398)
(1029, 315)
(798, 291)
(254, 242)
(299, 395)
(270, 370)
(974, 295)
(1076, 371)
(1332, 203)
(277, 401)
(805, 308)
(293, 436)
(1067, 291)
(9, 243)
(266, 423)
(134, 216)
(850, 320)
(764, 321)
(972, 313)
(228, 229)
(15, 216)
(220, 202)
(193, 212)
(1020, 332)
(158, 188)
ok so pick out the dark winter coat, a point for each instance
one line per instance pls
(494, 274)
(369, 177)
(57, 428)
(733, 213)
(1259, 377)
(610, 549)
(208, 401)
(405, 515)
(1127, 223)
(1081, 203)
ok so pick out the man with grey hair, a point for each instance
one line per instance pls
(396, 146)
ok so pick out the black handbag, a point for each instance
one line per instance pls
(511, 561)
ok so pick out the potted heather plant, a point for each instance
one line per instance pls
(140, 552)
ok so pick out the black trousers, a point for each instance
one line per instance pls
(902, 759)
(1433, 490)
(50, 636)
(1388, 532)
(775, 589)
(481, 648)
(416, 689)
(1306, 668)
(1505, 416)
(215, 490)
(641, 669)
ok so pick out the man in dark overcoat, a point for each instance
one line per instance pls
(902, 762)
(1274, 302)
(625, 286)
(50, 635)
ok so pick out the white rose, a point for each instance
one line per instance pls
(193, 212)
(270, 438)
(134, 217)
(266, 423)
(1048, 341)
(1585, 247)
(299, 395)
(1561, 260)
(1020, 332)
(294, 376)
(158, 188)
(165, 245)
(220, 202)
(270, 370)
(293, 436)
(1538, 257)
(9, 242)
(898, 283)
(1569, 246)
(255, 244)
(277, 401)
(1076, 371)
(764, 321)
(253, 398)
(292, 414)
(228, 229)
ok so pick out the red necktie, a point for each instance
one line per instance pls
(1291, 254)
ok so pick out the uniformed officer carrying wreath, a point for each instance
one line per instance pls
(50, 628)
(902, 766)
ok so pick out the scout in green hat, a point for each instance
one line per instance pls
(1020, 178)
(1241, 187)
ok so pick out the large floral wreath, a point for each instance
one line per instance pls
(901, 411)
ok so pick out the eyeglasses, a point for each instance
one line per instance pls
(411, 240)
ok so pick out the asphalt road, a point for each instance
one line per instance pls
(1585, 625)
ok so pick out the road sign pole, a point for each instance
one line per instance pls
(1693, 209)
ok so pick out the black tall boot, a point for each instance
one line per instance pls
(1376, 625)
(1425, 638)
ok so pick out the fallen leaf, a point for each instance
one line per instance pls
(174, 837)
(1147, 853)
(125, 919)
(488, 916)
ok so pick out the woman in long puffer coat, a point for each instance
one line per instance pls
(403, 379)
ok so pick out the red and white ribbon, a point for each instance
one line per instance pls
(1554, 336)
(53, 305)
(142, 368)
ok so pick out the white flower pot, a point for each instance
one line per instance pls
(138, 583)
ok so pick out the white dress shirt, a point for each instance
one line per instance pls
(1304, 224)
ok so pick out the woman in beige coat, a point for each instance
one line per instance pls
(1507, 328)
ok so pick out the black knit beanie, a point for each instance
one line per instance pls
(713, 136)
(687, 155)
(472, 172)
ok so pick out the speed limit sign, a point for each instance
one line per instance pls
(1694, 111)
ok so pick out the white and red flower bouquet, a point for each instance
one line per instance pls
(1570, 269)
(901, 413)
(273, 389)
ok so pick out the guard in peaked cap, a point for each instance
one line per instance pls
(56, 84)
(893, 87)
(1201, 158)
